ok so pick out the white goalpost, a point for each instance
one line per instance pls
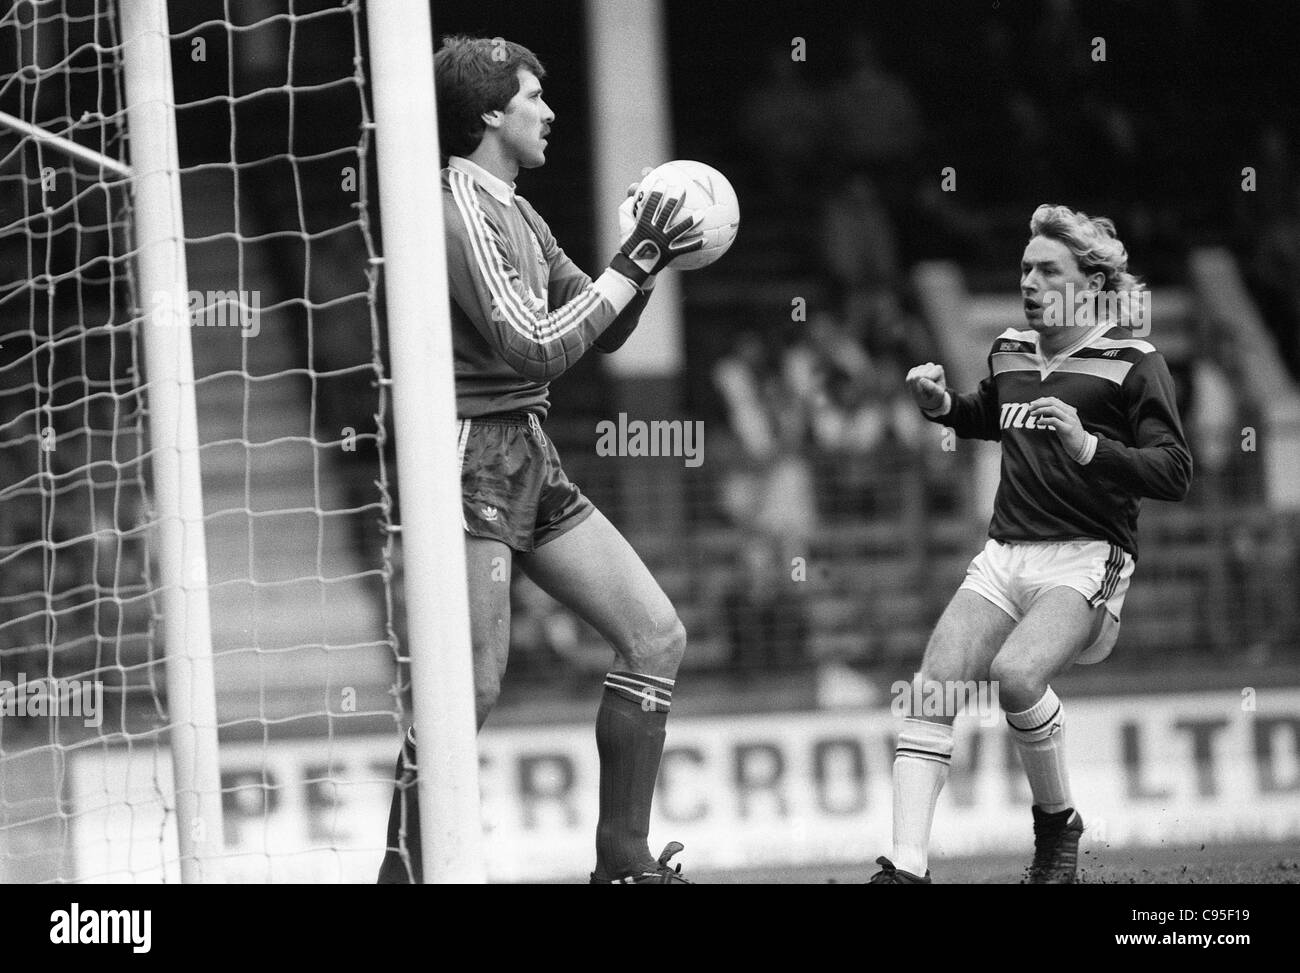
(173, 431)
(410, 192)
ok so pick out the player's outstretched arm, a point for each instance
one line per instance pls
(972, 416)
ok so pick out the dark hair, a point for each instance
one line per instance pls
(474, 75)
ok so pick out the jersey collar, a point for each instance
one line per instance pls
(500, 189)
(1048, 365)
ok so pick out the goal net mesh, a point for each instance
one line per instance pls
(274, 141)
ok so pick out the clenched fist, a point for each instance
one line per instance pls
(927, 385)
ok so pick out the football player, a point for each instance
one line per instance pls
(522, 313)
(1085, 414)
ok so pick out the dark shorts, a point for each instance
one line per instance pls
(513, 489)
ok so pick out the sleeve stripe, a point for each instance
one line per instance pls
(494, 273)
(539, 329)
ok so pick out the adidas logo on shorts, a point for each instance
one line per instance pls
(489, 513)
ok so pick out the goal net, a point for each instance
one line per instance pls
(281, 311)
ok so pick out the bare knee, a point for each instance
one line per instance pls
(1019, 681)
(657, 650)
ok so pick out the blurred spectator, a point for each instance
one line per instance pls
(1263, 568)
(767, 618)
(769, 494)
(824, 395)
(781, 124)
(1272, 273)
(1059, 54)
(859, 245)
(883, 124)
(771, 489)
(855, 400)
(1212, 422)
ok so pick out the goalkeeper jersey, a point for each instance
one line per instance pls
(522, 312)
(1124, 395)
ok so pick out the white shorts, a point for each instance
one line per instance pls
(1015, 575)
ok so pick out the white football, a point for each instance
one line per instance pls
(705, 188)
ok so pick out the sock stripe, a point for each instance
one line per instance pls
(636, 679)
(634, 687)
(662, 680)
(637, 696)
(1034, 729)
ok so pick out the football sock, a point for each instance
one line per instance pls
(1039, 733)
(630, 728)
(921, 765)
(401, 864)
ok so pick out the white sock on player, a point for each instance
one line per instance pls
(1039, 733)
(921, 765)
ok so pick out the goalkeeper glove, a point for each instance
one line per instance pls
(627, 223)
(655, 240)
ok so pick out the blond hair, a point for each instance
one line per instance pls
(1093, 242)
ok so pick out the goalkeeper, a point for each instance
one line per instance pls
(522, 313)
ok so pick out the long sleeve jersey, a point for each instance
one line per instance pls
(1124, 395)
(522, 312)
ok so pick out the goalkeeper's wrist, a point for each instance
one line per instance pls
(629, 268)
(616, 289)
